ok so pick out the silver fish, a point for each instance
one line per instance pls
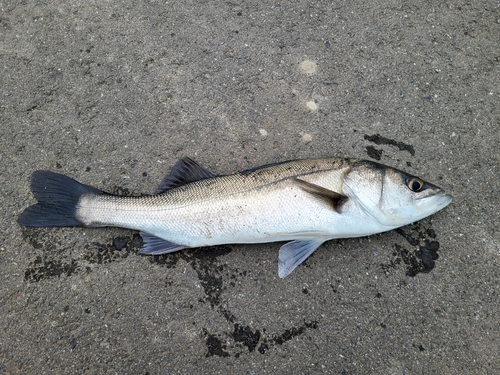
(306, 202)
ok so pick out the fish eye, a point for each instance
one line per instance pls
(414, 183)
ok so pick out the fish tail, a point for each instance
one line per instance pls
(58, 197)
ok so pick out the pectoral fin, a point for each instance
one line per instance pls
(293, 253)
(155, 246)
(331, 198)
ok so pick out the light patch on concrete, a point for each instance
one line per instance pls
(312, 105)
(306, 137)
(263, 133)
(308, 67)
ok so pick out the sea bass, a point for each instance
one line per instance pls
(306, 202)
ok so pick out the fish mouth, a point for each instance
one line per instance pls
(444, 200)
(437, 202)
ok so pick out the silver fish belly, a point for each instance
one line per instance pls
(306, 202)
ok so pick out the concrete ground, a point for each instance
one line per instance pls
(113, 93)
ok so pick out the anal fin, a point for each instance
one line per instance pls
(155, 246)
(293, 253)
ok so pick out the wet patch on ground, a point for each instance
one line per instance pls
(374, 153)
(120, 248)
(52, 255)
(51, 260)
(210, 273)
(420, 256)
(213, 278)
(215, 345)
(43, 268)
(245, 336)
(246, 340)
(379, 140)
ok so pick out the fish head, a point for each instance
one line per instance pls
(390, 196)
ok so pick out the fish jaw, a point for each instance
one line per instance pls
(430, 205)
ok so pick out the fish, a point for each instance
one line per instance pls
(303, 202)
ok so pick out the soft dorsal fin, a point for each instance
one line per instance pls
(183, 172)
(330, 197)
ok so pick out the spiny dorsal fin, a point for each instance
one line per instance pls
(183, 172)
(330, 197)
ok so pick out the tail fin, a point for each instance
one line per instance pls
(58, 197)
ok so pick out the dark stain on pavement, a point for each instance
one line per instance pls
(379, 140)
(246, 336)
(43, 268)
(120, 248)
(53, 259)
(419, 259)
(213, 276)
(215, 346)
(45, 265)
(373, 152)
